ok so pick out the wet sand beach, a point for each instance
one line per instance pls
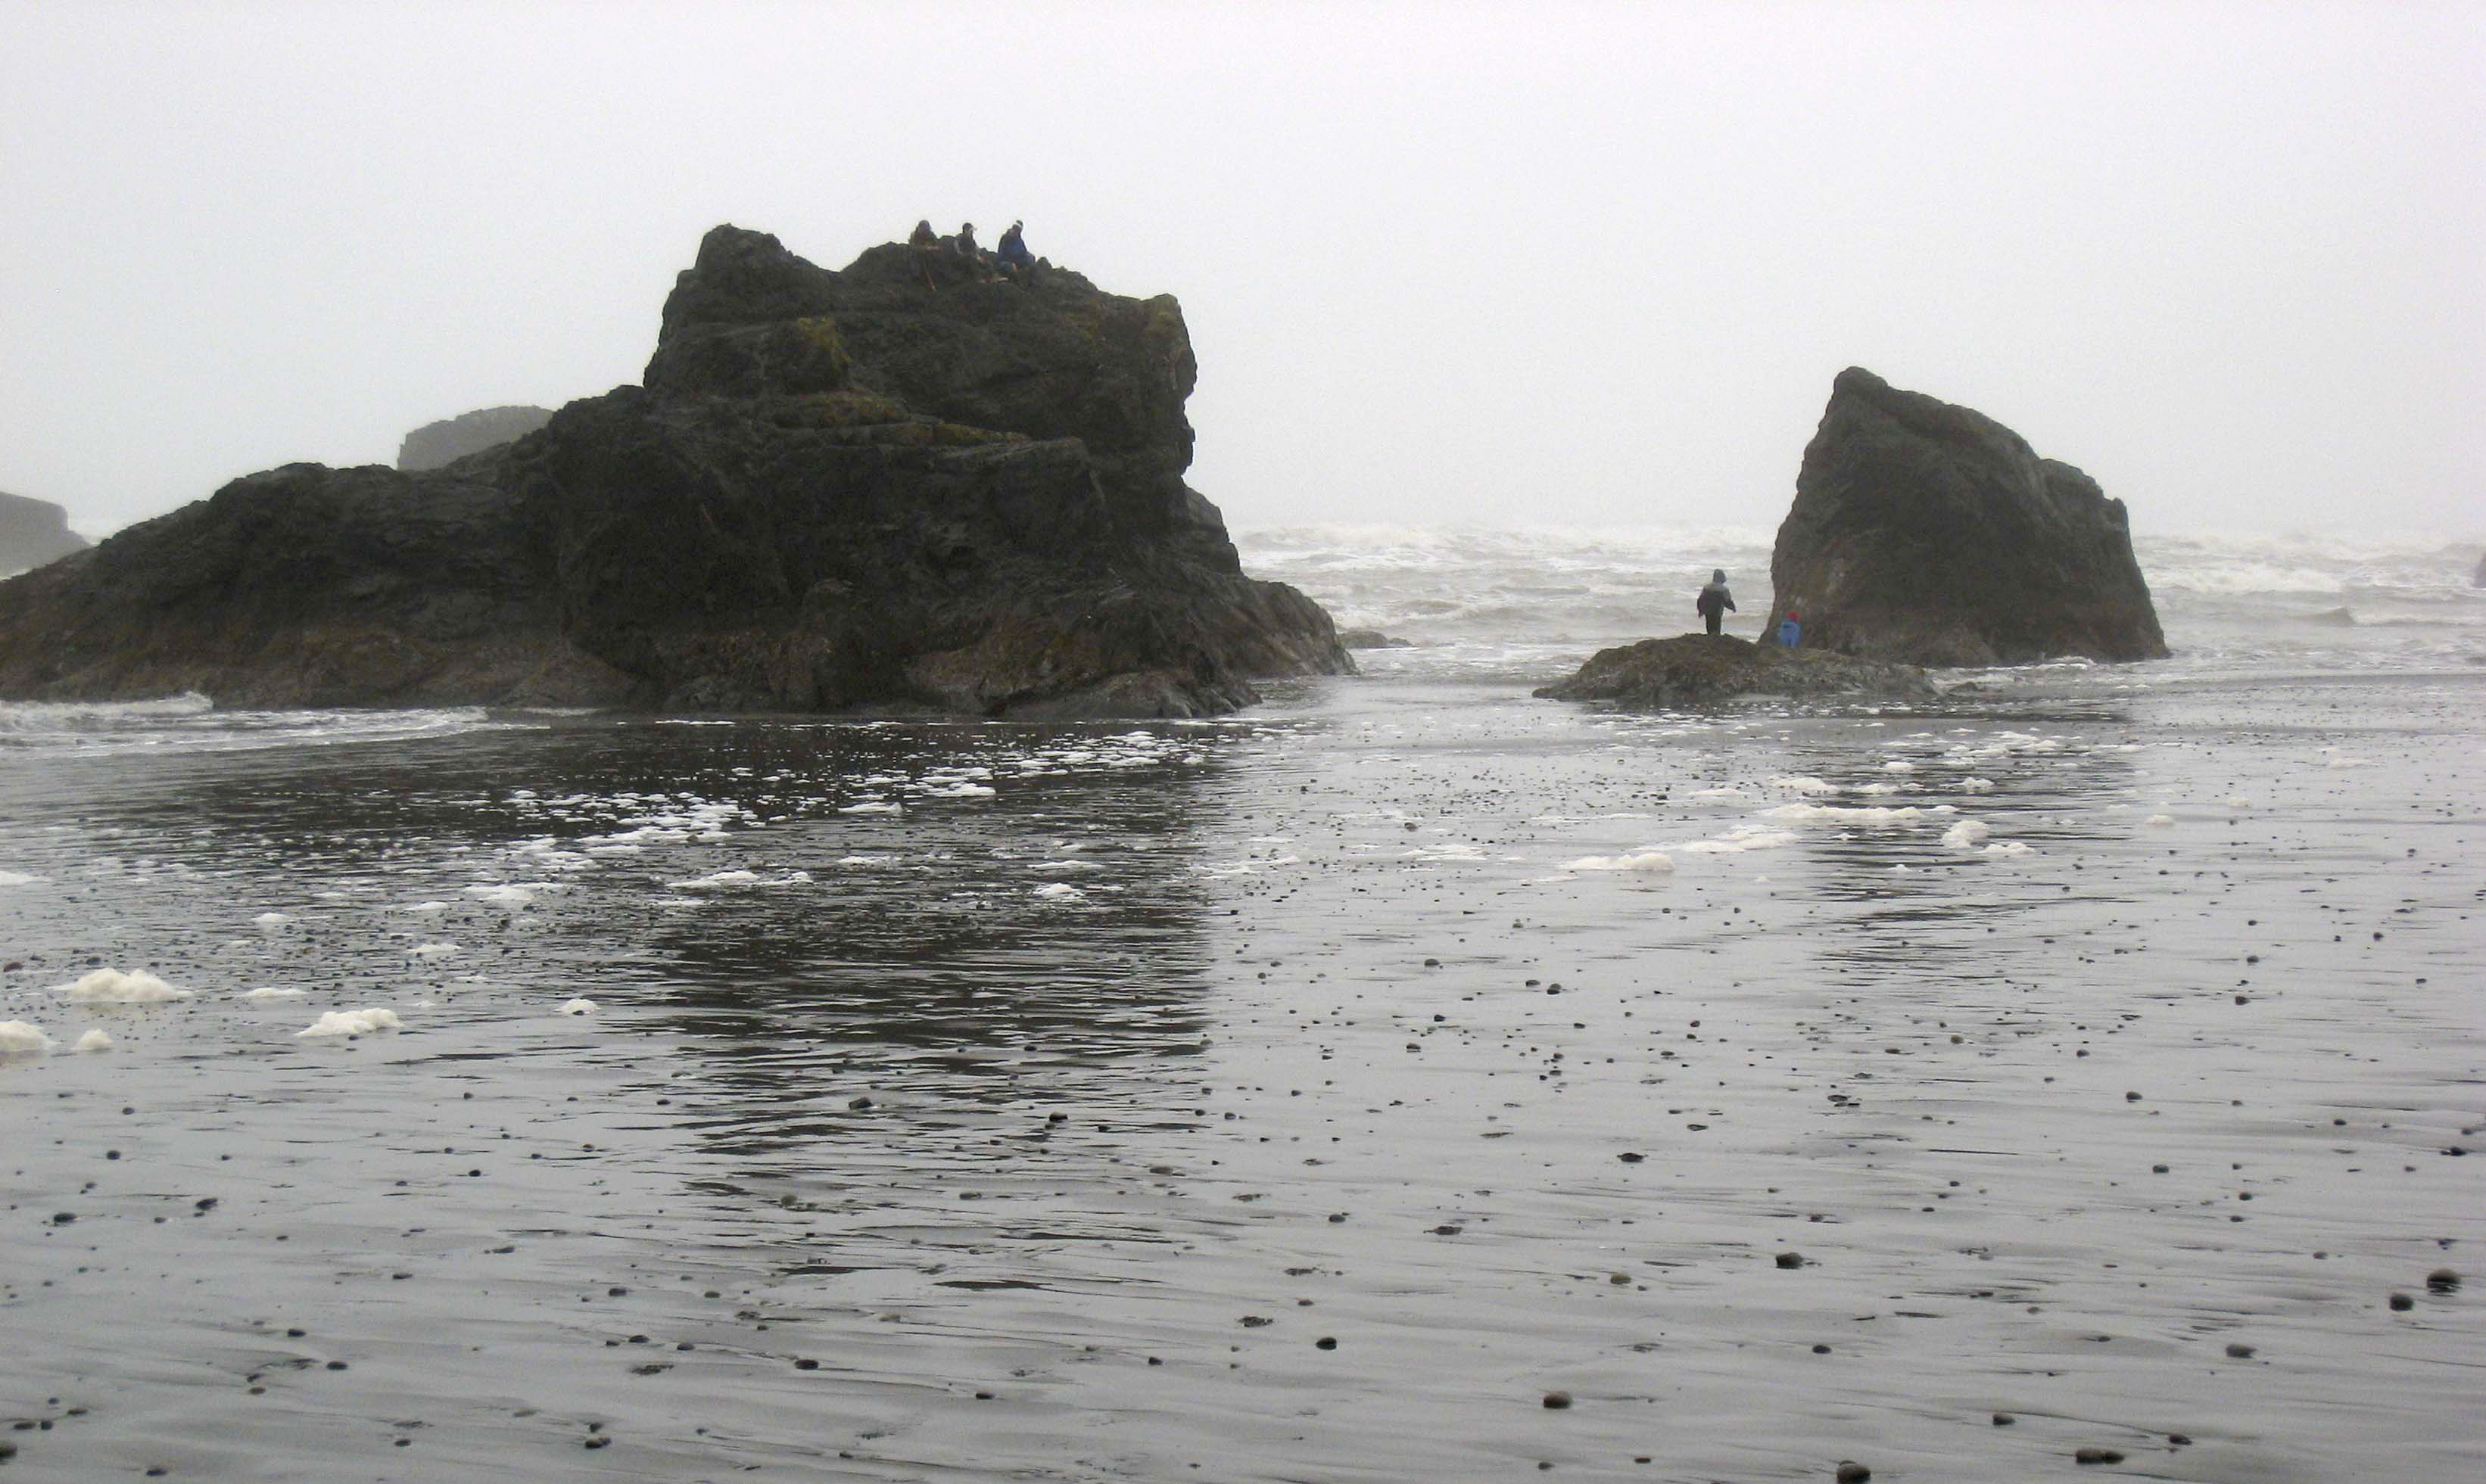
(1341, 1092)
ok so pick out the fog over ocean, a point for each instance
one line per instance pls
(1314, 1093)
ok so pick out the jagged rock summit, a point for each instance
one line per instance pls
(834, 490)
(34, 532)
(451, 439)
(1931, 533)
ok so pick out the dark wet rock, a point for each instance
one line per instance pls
(1557, 1401)
(1790, 1259)
(34, 532)
(1931, 533)
(1850, 1471)
(1371, 639)
(2399, 1301)
(2336, 618)
(835, 491)
(451, 439)
(2096, 1456)
(2443, 1280)
(1694, 670)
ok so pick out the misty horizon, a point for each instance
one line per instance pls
(1587, 267)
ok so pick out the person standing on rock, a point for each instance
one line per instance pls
(926, 241)
(1715, 602)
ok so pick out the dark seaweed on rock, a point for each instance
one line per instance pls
(1931, 533)
(834, 490)
(1694, 670)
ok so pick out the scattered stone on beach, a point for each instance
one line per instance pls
(2096, 1456)
(2402, 1302)
(1929, 533)
(1557, 1401)
(2443, 1280)
(1692, 670)
(2003, 1419)
(1790, 1259)
(2238, 1352)
(1850, 1471)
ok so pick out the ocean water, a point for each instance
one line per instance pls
(1319, 1093)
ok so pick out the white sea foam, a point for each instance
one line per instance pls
(1967, 834)
(1856, 813)
(1059, 891)
(93, 1040)
(1803, 783)
(427, 909)
(111, 986)
(1741, 838)
(1976, 786)
(433, 950)
(2159, 821)
(503, 894)
(1652, 861)
(722, 880)
(271, 922)
(267, 993)
(21, 879)
(578, 1007)
(2008, 847)
(22, 1039)
(361, 1022)
(872, 807)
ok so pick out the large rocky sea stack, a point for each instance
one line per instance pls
(34, 532)
(834, 490)
(435, 444)
(1931, 533)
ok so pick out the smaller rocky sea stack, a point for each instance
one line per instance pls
(1699, 669)
(34, 532)
(435, 444)
(1931, 533)
(898, 487)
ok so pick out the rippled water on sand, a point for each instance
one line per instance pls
(1279, 1098)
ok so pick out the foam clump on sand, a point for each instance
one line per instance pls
(1655, 861)
(22, 1039)
(720, 880)
(351, 1023)
(433, 949)
(870, 807)
(21, 879)
(270, 921)
(1974, 784)
(1859, 813)
(1739, 840)
(578, 1007)
(94, 1040)
(111, 986)
(2159, 821)
(2007, 847)
(1059, 891)
(1967, 834)
(266, 993)
(1803, 783)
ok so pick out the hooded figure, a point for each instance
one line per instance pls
(1715, 602)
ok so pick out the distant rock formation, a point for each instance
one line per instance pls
(834, 490)
(1371, 639)
(435, 444)
(1931, 533)
(34, 532)
(1695, 670)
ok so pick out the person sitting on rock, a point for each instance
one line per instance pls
(1015, 260)
(1790, 630)
(1715, 602)
(925, 242)
(976, 259)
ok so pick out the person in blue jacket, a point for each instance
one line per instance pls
(1790, 632)
(1015, 260)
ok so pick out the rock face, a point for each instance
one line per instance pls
(2479, 580)
(34, 532)
(834, 490)
(435, 444)
(1695, 670)
(1931, 533)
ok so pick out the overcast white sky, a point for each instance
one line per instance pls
(1531, 262)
